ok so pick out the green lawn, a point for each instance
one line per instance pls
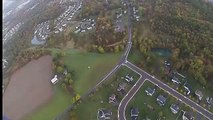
(144, 104)
(84, 77)
(59, 102)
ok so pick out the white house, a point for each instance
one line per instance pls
(54, 80)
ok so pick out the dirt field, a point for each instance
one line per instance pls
(29, 88)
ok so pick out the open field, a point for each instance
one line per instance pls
(145, 104)
(29, 88)
(100, 65)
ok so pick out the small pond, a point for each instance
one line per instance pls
(164, 52)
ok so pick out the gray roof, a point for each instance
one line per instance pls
(134, 111)
(188, 115)
(175, 107)
(161, 99)
(150, 90)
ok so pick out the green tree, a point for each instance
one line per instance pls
(70, 81)
(116, 48)
(100, 49)
(59, 69)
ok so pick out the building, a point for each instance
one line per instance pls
(54, 80)
(128, 78)
(174, 108)
(199, 94)
(209, 100)
(112, 98)
(104, 114)
(176, 80)
(187, 116)
(161, 100)
(121, 86)
(187, 88)
(149, 91)
(134, 113)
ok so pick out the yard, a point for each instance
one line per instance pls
(149, 108)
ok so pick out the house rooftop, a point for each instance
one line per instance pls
(134, 112)
(112, 98)
(54, 80)
(175, 80)
(175, 108)
(150, 91)
(161, 100)
(199, 94)
(121, 86)
(104, 114)
(187, 116)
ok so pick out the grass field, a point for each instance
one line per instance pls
(144, 103)
(60, 101)
(84, 77)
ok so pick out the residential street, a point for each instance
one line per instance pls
(147, 76)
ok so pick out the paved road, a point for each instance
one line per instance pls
(136, 87)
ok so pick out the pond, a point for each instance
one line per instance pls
(164, 52)
(35, 41)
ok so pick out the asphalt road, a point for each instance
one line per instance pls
(171, 91)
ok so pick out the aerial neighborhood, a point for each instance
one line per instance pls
(107, 60)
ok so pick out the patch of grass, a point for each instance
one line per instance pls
(59, 102)
(135, 56)
(89, 68)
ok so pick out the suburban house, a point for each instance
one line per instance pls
(134, 113)
(187, 116)
(176, 80)
(149, 91)
(128, 78)
(199, 94)
(174, 108)
(121, 86)
(65, 72)
(187, 88)
(167, 63)
(54, 80)
(209, 100)
(104, 114)
(161, 100)
(112, 98)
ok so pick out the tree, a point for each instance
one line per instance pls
(68, 75)
(70, 81)
(100, 49)
(116, 48)
(59, 69)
